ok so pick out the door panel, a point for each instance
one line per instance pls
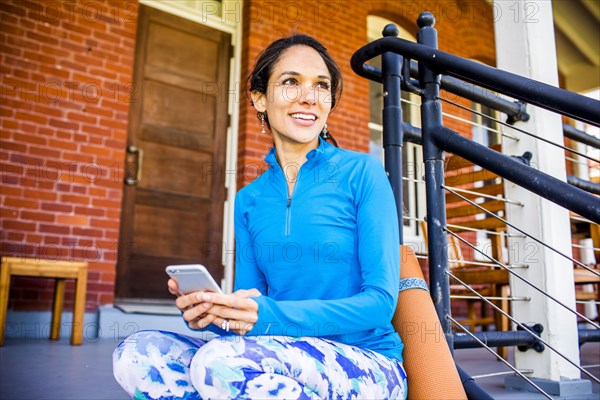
(158, 231)
(171, 49)
(175, 170)
(175, 107)
(173, 208)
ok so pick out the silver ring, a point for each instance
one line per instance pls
(225, 325)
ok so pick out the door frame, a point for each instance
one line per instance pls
(232, 24)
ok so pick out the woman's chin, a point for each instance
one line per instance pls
(301, 137)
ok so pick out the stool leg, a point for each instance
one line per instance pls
(57, 308)
(4, 288)
(471, 315)
(79, 307)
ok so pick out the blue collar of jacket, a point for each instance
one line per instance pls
(313, 157)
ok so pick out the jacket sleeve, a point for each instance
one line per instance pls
(379, 259)
(247, 272)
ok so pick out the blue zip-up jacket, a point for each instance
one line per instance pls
(326, 257)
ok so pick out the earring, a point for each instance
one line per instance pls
(262, 123)
(324, 132)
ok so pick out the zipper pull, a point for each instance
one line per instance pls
(289, 202)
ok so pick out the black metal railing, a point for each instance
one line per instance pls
(399, 72)
(436, 138)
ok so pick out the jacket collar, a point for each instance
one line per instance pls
(313, 158)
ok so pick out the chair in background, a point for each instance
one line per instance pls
(486, 280)
(487, 189)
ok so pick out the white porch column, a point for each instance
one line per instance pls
(525, 46)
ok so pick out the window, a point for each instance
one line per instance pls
(485, 132)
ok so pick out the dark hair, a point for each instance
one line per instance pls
(258, 79)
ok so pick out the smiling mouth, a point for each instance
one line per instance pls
(304, 117)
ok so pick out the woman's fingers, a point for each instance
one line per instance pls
(232, 325)
(186, 301)
(234, 314)
(201, 323)
(219, 313)
(173, 287)
(239, 327)
(196, 311)
(240, 313)
(238, 300)
(203, 308)
(245, 293)
(224, 306)
(231, 301)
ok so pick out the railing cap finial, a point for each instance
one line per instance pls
(425, 19)
(391, 30)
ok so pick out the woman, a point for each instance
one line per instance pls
(317, 268)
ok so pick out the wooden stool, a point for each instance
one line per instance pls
(59, 270)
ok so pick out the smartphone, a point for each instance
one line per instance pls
(193, 278)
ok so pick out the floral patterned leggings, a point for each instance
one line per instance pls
(157, 364)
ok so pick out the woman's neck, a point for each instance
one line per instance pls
(291, 156)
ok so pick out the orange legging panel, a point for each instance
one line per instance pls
(428, 362)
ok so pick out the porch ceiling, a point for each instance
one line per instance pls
(577, 30)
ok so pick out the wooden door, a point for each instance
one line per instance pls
(173, 198)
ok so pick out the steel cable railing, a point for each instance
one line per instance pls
(539, 389)
(488, 298)
(509, 270)
(515, 110)
(497, 233)
(413, 134)
(523, 371)
(563, 101)
(520, 325)
(436, 139)
(509, 298)
(487, 128)
(537, 137)
(488, 196)
(580, 264)
(482, 264)
(492, 100)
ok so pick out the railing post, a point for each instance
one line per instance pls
(433, 156)
(528, 49)
(392, 122)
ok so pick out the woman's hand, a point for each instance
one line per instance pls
(187, 303)
(237, 309)
(173, 287)
(203, 308)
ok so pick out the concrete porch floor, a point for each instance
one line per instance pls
(40, 369)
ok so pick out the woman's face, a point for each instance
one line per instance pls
(298, 98)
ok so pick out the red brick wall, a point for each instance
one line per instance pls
(66, 88)
(65, 91)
